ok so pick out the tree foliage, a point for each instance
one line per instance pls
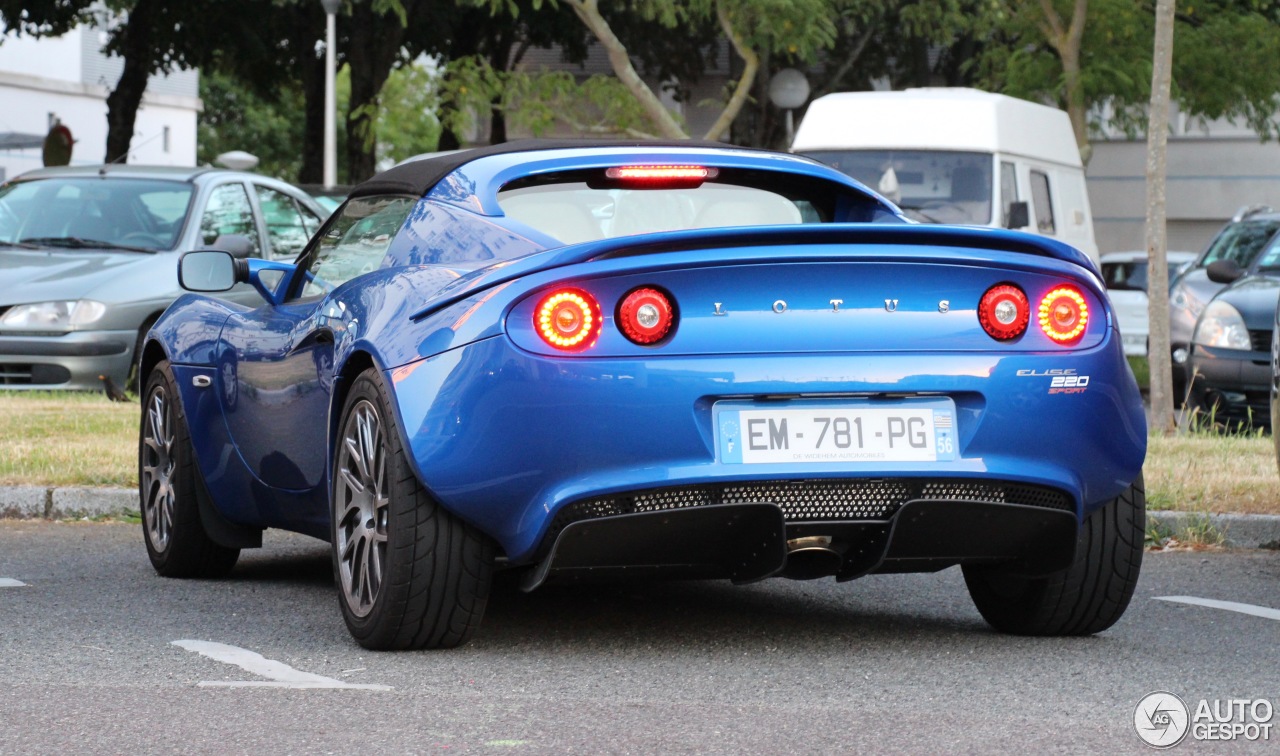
(406, 123)
(538, 101)
(796, 27)
(1224, 63)
(235, 117)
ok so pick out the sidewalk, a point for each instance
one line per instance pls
(32, 502)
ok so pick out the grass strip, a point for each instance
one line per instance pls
(67, 439)
(75, 439)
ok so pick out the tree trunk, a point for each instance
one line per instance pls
(312, 75)
(375, 41)
(123, 102)
(501, 44)
(750, 64)
(1066, 41)
(588, 11)
(1158, 356)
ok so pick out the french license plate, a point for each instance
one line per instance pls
(909, 430)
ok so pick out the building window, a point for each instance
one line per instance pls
(166, 139)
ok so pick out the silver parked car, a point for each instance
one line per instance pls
(89, 258)
(1125, 274)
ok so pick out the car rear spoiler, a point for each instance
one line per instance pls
(861, 234)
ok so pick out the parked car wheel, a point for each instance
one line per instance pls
(410, 575)
(176, 539)
(135, 371)
(1085, 598)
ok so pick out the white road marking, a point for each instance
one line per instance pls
(278, 674)
(11, 583)
(1230, 606)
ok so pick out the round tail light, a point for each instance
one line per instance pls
(1063, 314)
(1004, 312)
(568, 319)
(646, 316)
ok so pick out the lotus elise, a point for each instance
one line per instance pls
(609, 360)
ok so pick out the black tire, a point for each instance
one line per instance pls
(410, 575)
(134, 378)
(1085, 598)
(1275, 391)
(167, 484)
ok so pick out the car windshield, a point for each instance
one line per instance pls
(575, 211)
(1240, 242)
(934, 186)
(109, 213)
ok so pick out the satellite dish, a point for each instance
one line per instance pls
(237, 160)
(58, 144)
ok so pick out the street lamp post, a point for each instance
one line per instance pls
(789, 89)
(330, 96)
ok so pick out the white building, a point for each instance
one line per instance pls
(1214, 169)
(68, 78)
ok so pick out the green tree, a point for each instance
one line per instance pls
(406, 123)
(1223, 59)
(796, 27)
(235, 117)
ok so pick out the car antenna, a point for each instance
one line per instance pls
(125, 155)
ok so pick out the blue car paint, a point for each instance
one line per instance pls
(518, 393)
(504, 433)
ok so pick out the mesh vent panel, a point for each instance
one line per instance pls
(816, 500)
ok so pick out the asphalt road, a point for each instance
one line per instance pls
(885, 664)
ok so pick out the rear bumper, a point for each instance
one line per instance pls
(749, 542)
(67, 361)
(507, 439)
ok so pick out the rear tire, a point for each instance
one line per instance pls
(176, 539)
(1087, 597)
(134, 377)
(410, 575)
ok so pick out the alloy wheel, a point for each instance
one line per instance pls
(360, 508)
(157, 469)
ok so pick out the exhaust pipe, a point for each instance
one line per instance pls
(810, 558)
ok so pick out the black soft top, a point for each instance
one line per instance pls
(418, 177)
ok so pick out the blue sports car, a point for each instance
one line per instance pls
(610, 360)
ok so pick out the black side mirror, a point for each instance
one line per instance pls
(1018, 215)
(238, 245)
(210, 270)
(1224, 271)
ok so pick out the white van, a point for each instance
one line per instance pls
(952, 155)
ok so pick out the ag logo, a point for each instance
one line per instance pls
(1162, 720)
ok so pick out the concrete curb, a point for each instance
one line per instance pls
(1242, 531)
(32, 502)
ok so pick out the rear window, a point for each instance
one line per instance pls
(1132, 276)
(585, 206)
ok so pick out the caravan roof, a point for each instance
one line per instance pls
(938, 118)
